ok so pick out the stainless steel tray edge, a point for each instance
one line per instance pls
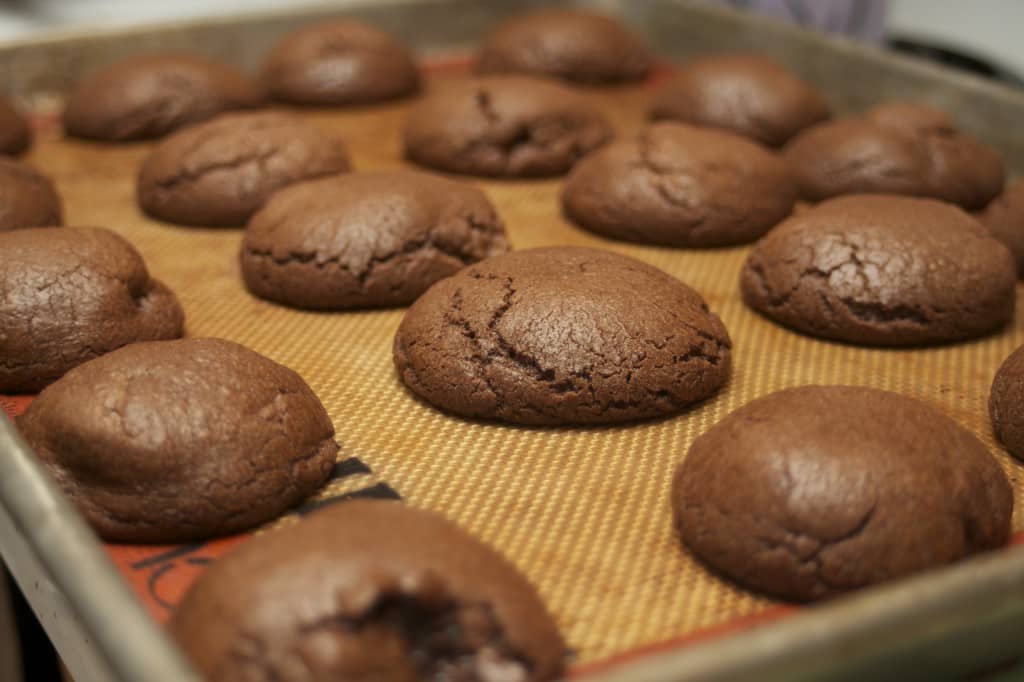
(89, 612)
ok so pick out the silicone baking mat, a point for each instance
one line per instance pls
(582, 511)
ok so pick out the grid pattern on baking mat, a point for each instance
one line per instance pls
(583, 511)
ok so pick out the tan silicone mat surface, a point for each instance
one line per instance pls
(584, 512)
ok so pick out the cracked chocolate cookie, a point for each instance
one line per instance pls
(366, 239)
(339, 62)
(220, 172)
(1004, 217)
(27, 197)
(570, 44)
(512, 126)
(812, 492)
(368, 590)
(750, 95)
(68, 295)
(172, 441)
(15, 134)
(1006, 403)
(882, 270)
(678, 185)
(559, 336)
(896, 149)
(148, 97)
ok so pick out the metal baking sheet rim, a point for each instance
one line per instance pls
(947, 622)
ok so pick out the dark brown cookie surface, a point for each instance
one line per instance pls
(220, 172)
(368, 590)
(512, 126)
(570, 44)
(896, 149)
(339, 62)
(678, 185)
(815, 491)
(27, 197)
(1004, 217)
(366, 239)
(68, 295)
(15, 134)
(172, 441)
(1006, 403)
(882, 270)
(148, 97)
(562, 336)
(750, 95)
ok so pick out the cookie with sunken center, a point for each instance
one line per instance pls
(27, 197)
(15, 133)
(896, 148)
(813, 492)
(147, 97)
(367, 590)
(70, 294)
(1004, 217)
(560, 336)
(366, 239)
(219, 173)
(678, 185)
(570, 44)
(175, 441)
(504, 126)
(882, 270)
(747, 94)
(339, 62)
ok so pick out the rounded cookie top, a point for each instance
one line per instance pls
(367, 590)
(882, 270)
(147, 97)
(896, 148)
(27, 197)
(70, 294)
(750, 95)
(679, 185)
(812, 492)
(172, 441)
(15, 134)
(562, 336)
(220, 172)
(570, 44)
(339, 62)
(1004, 217)
(1006, 403)
(366, 239)
(513, 126)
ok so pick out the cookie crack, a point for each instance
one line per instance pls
(187, 175)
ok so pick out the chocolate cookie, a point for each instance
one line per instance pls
(562, 336)
(680, 186)
(70, 294)
(750, 95)
(367, 590)
(15, 134)
(1006, 403)
(220, 172)
(882, 270)
(339, 62)
(896, 149)
(366, 239)
(147, 97)
(1004, 217)
(27, 197)
(815, 491)
(570, 44)
(511, 126)
(172, 441)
